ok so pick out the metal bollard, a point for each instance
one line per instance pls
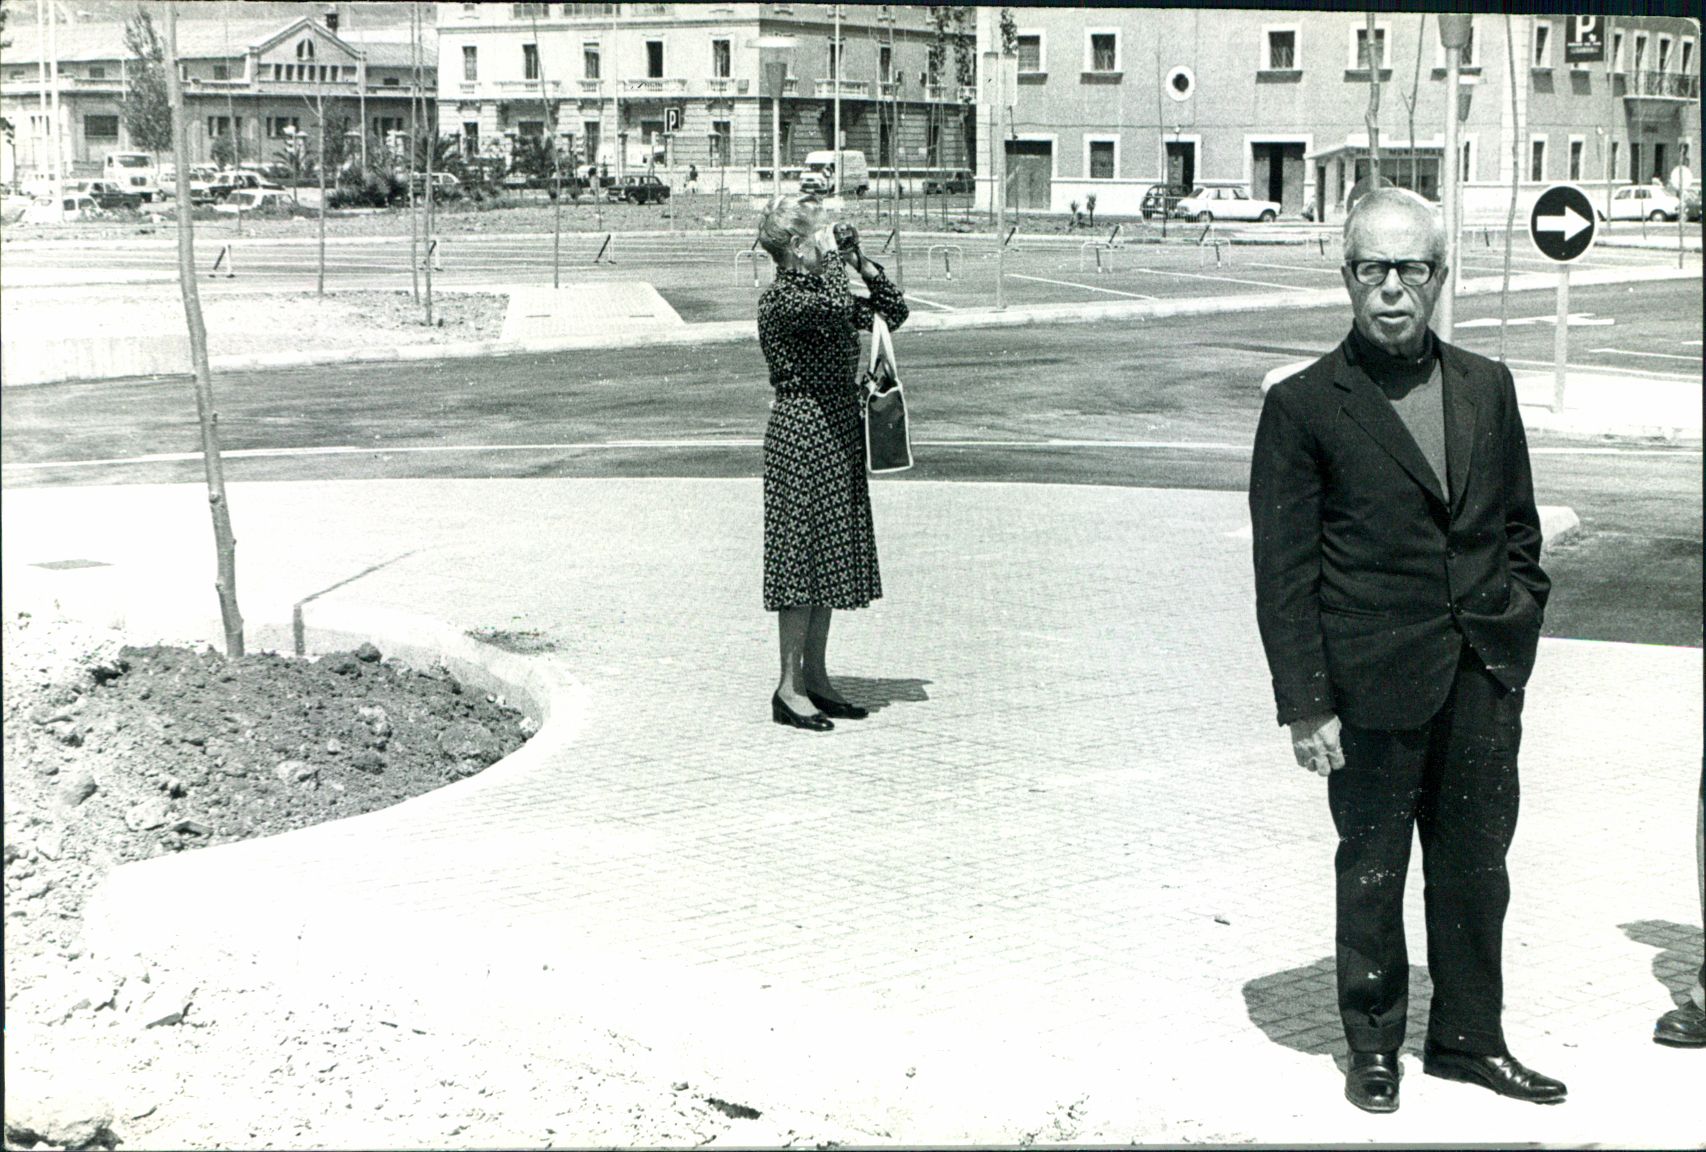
(228, 259)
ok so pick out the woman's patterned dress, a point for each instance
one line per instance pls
(820, 548)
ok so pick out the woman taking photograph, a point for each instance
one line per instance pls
(820, 549)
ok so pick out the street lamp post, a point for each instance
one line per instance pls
(1454, 30)
(835, 56)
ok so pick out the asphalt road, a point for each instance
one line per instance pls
(1165, 403)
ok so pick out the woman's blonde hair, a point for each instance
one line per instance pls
(785, 218)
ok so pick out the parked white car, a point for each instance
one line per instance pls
(63, 210)
(1643, 202)
(254, 200)
(1206, 204)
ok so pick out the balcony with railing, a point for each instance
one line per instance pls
(525, 87)
(593, 87)
(826, 86)
(1650, 85)
(726, 86)
(654, 85)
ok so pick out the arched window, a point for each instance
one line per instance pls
(305, 50)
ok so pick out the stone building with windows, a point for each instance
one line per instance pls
(244, 80)
(665, 86)
(1109, 101)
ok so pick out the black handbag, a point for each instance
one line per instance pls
(888, 439)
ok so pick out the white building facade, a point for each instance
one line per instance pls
(665, 86)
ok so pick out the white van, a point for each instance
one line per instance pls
(134, 172)
(820, 176)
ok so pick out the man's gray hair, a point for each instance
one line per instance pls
(1389, 197)
(783, 219)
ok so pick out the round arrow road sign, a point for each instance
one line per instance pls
(1563, 223)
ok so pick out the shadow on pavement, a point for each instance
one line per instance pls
(1299, 1008)
(877, 693)
(1678, 962)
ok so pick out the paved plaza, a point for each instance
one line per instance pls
(1066, 883)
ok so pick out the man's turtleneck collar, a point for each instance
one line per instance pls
(1382, 364)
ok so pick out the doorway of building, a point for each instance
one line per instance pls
(1276, 173)
(1030, 173)
(1182, 163)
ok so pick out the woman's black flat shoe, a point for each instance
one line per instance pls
(782, 714)
(837, 708)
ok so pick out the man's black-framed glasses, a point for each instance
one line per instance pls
(1415, 273)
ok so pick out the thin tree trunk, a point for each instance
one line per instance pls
(432, 146)
(1415, 91)
(225, 544)
(549, 126)
(1516, 179)
(414, 148)
(1372, 117)
(320, 266)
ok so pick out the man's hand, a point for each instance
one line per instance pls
(1315, 741)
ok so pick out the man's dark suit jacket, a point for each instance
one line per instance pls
(1368, 582)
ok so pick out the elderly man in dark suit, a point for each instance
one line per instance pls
(1399, 596)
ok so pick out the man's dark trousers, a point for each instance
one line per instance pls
(1454, 781)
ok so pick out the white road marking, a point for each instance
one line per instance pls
(1329, 271)
(1227, 279)
(1085, 287)
(1577, 320)
(931, 303)
(1636, 373)
(1656, 355)
(728, 442)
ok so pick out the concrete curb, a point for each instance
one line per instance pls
(734, 331)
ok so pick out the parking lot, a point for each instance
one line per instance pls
(716, 276)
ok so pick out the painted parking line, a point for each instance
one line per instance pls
(914, 297)
(1085, 287)
(1225, 279)
(1331, 271)
(1655, 355)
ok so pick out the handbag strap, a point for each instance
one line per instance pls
(882, 344)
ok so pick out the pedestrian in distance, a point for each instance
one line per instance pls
(820, 545)
(1685, 1026)
(693, 178)
(1399, 596)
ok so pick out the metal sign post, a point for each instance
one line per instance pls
(1562, 226)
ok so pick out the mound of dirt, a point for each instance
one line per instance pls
(117, 753)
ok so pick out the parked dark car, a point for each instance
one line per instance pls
(109, 195)
(949, 183)
(1161, 199)
(638, 190)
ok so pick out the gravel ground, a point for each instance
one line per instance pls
(337, 320)
(117, 750)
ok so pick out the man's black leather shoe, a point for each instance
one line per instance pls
(1505, 1075)
(1683, 1027)
(1371, 1081)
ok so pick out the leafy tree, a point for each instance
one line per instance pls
(534, 156)
(224, 151)
(1009, 33)
(147, 111)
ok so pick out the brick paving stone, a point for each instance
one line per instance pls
(1063, 786)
